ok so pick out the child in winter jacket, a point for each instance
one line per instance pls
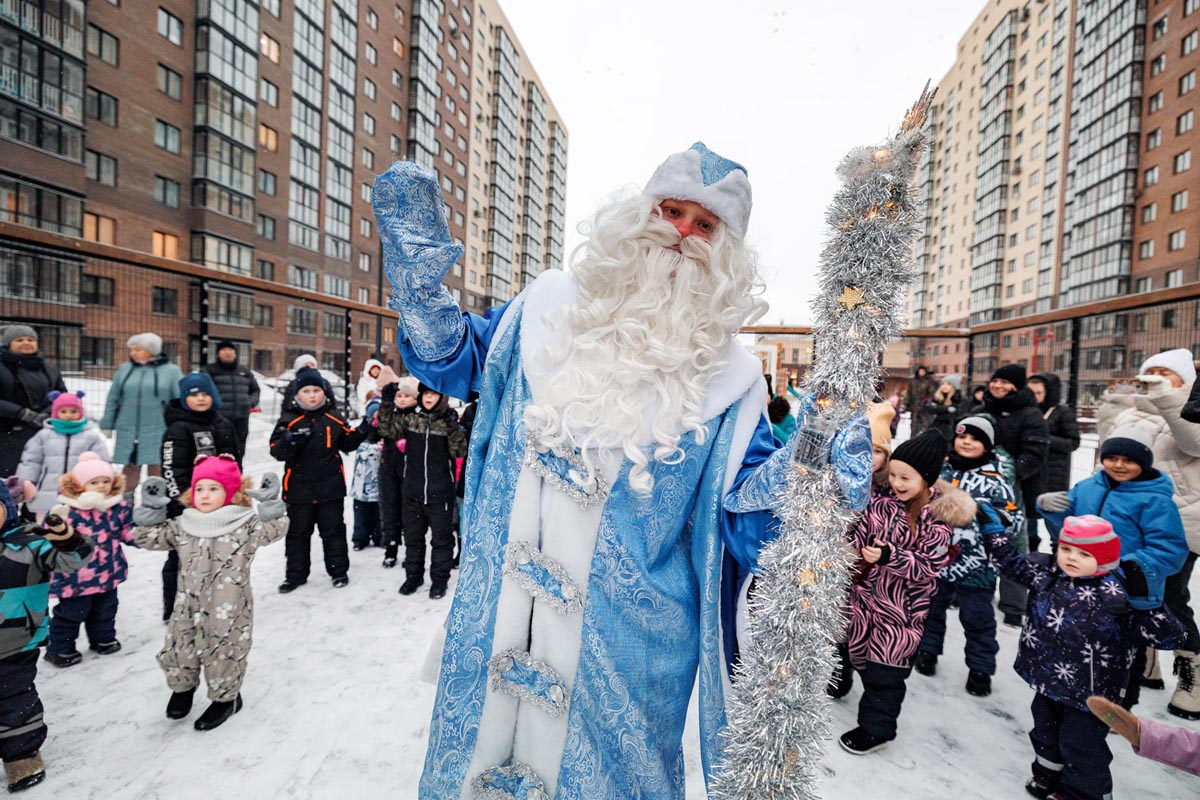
(434, 439)
(55, 449)
(970, 578)
(310, 440)
(88, 596)
(403, 394)
(1080, 635)
(364, 485)
(28, 556)
(903, 544)
(195, 427)
(217, 536)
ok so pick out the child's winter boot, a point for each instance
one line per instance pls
(64, 659)
(106, 648)
(180, 704)
(1152, 675)
(24, 773)
(979, 684)
(216, 714)
(1186, 700)
(925, 663)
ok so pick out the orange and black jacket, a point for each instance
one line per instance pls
(310, 444)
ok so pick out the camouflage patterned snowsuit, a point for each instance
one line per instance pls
(214, 609)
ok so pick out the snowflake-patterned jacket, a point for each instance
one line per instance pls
(1080, 634)
(986, 482)
(889, 602)
(108, 522)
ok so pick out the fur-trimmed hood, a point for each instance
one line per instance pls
(953, 505)
(72, 494)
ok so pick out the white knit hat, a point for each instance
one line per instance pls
(1178, 361)
(150, 342)
(302, 360)
(700, 175)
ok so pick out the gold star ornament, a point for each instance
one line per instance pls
(852, 297)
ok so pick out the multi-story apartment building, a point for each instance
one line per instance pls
(518, 168)
(243, 138)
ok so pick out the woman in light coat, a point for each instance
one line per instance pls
(134, 409)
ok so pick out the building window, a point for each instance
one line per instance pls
(1156, 102)
(170, 27)
(95, 352)
(264, 270)
(1143, 285)
(268, 138)
(264, 316)
(1168, 317)
(164, 301)
(1146, 249)
(166, 136)
(166, 191)
(398, 47)
(164, 245)
(1174, 278)
(1141, 323)
(372, 20)
(100, 105)
(170, 82)
(1185, 122)
(100, 168)
(1190, 42)
(1177, 240)
(97, 228)
(1158, 65)
(369, 124)
(266, 227)
(271, 7)
(335, 326)
(266, 182)
(103, 45)
(1149, 212)
(268, 93)
(1189, 6)
(1154, 138)
(369, 88)
(262, 358)
(222, 254)
(96, 291)
(364, 262)
(1150, 176)
(269, 48)
(1179, 201)
(336, 287)
(371, 53)
(302, 321)
(395, 144)
(302, 278)
(1187, 83)
(1183, 161)
(364, 228)
(1159, 29)
(368, 159)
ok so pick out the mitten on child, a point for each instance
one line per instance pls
(1134, 579)
(1054, 502)
(269, 490)
(57, 531)
(153, 510)
(272, 510)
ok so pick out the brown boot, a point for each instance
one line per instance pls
(1186, 700)
(24, 773)
(1152, 676)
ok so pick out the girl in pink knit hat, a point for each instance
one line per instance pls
(88, 596)
(56, 448)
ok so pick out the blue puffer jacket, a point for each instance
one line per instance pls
(1080, 634)
(1144, 517)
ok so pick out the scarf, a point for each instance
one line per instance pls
(963, 464)
(224, 520)
(68, 427)
(92, 501)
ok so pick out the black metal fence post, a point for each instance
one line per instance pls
(1073, 382)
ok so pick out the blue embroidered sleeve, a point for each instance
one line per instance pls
(459, 373)
(745, 532)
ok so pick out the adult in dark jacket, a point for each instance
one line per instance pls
(26, 381)
(943, 408)
(310, 442)
(920, 390)
(237, 388)
(1063, 429)
(1022, 432)
(195, 427)
(433, 441)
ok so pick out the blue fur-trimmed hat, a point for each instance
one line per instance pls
(700, 175)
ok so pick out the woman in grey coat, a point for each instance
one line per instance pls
(134, 410)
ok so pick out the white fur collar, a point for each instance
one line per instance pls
(91, 501)
(555, 289)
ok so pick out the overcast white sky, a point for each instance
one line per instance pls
(785, 88)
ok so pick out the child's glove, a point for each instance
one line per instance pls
(990, 521)
(32, 418)
(1054, 502)
(271, 510)
(21, 491)
(1134, 579)
(299, 433)
(269, 490)
(153, 510)
(57, 531)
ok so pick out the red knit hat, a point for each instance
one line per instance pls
(1095, 536)
(223, 469)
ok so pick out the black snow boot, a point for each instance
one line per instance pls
(437, 590)
(24, 773)
(979, 684)
(1040, 788)
(106, 648)
(64, 659)
(180, 704)
(411, 584)
(859, 742)
(216, 714)
(925, 663)
(288, 586)
(843, 675)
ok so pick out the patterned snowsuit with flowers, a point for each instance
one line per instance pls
(214, 609)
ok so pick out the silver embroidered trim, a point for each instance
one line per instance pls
(517, 553)
(582, 497)
(484, 791)
(502, 662)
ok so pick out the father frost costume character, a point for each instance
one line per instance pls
(617, 420)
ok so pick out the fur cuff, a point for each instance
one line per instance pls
(953, 505)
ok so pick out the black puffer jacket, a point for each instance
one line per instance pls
(942, 416)
(191, 434)
(25, 383)
(433, 442)
(1063, 429)
(310, 444)
(237, 387)
(1021, 430)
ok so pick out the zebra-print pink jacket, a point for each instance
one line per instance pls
(889, 602)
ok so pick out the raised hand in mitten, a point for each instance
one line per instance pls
(153, 510)
(1054, 502)
(271, 510)
(418, 251)
(269, 490)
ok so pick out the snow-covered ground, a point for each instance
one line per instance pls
(335, 707)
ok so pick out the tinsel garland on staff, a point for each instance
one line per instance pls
(778, 716)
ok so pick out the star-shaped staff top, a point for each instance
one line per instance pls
(852, 297)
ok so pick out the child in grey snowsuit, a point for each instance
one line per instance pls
(216, 537)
